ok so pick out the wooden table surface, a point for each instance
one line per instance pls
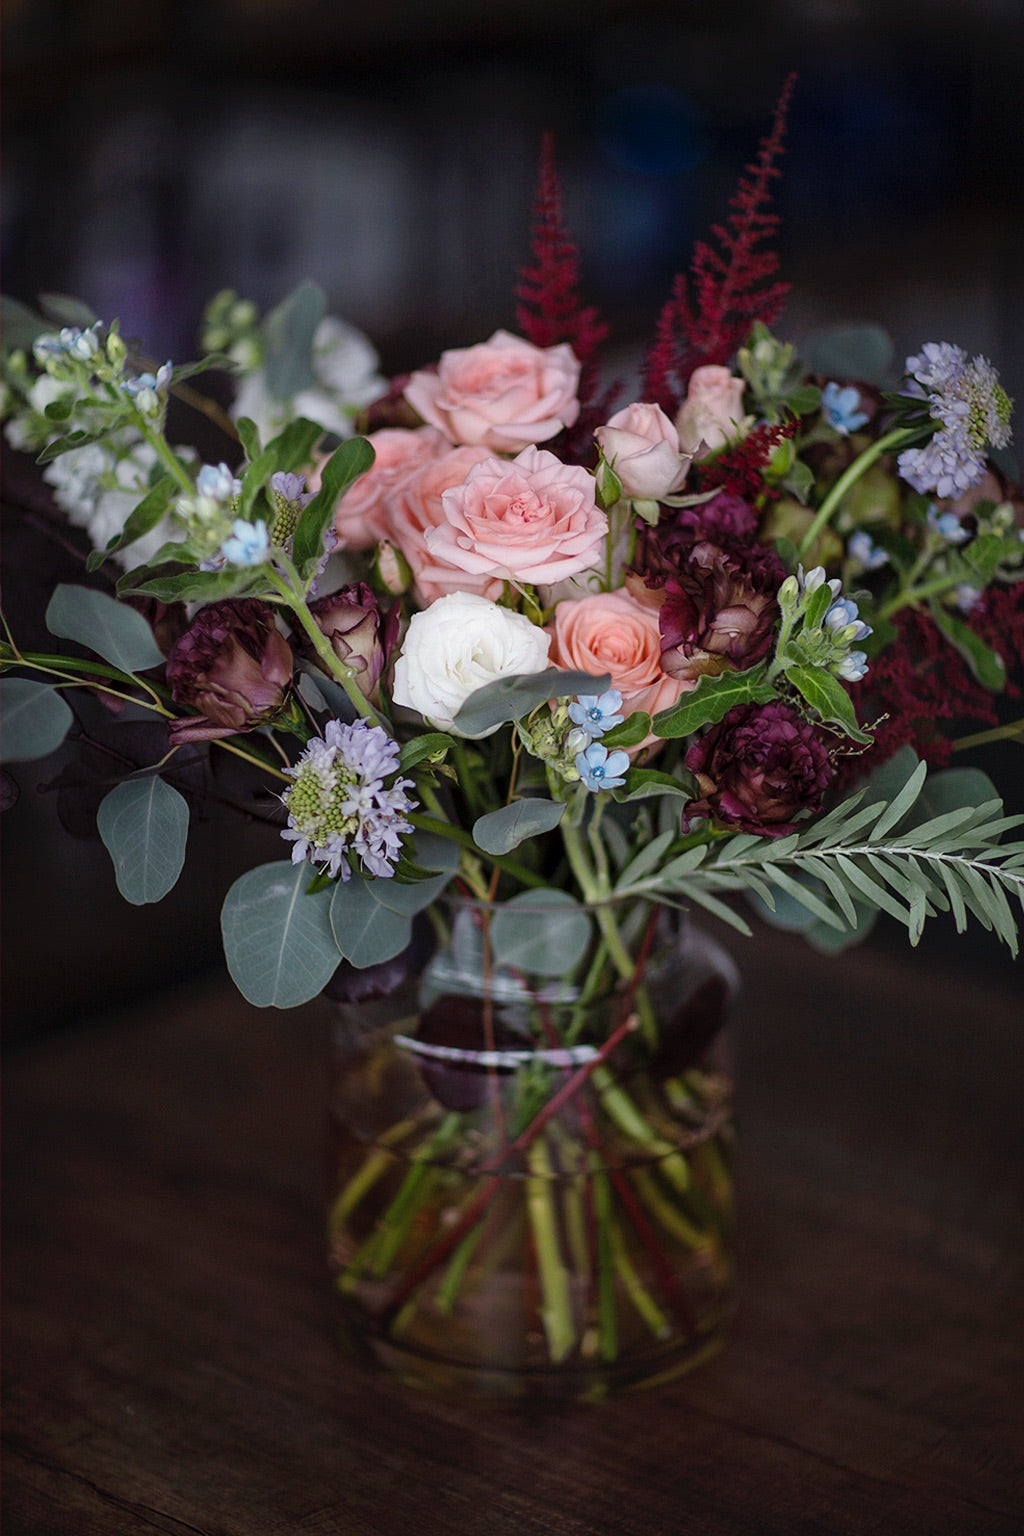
(169, 1358)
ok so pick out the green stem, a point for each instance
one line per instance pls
(848, 479)
(911, 595)
(164, 452)
(465, 839)
(332, 664)
(556, 1296)
(1014, 730)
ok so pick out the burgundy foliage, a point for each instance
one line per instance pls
(739, 469)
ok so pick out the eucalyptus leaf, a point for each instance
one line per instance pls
(544, 933)
(712, 699)
(511, 698)
(500, 831)
(365, 931)
(34, 719)
(409, 897)
(289, 331)
(278, 941)
(860, 352)
(113, 630)
(144, 827)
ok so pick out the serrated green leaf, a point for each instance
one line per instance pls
(278, 941)
(500, 831)
(113, 630)
(828, 698)
(144, 827)
(365, 931)
(511, 698)
(711, 700)
(544, 933)
(983, 556)
(34, 719)
(289, 330)
(341, 470)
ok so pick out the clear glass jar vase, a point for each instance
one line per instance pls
(532, 1187)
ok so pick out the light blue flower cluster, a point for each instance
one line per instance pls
(825, 641)
(947, 525)
(144, 389)
(339, 803)
(247, 544)
(840, 408)
(974, 412)
(71, 341)
(862, 548)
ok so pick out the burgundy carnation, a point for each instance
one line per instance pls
(758, 768)
(232, 667)
(719, 611)
(351, 619)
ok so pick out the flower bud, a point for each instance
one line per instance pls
(391, 568)
(352, 621)
(232, 667)
(117, 352)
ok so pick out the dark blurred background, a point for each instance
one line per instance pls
(159, 150)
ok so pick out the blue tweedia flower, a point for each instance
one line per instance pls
(852, 667)
(947, 525)
(600, 769)
(248, 544)
(218, 483)
(843, 616)
(339, 803)
(974, 412)
(839, 407)
(866, 553)
(596, 713)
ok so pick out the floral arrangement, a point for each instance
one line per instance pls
(511, 639)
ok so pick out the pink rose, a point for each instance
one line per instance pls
(532, 520)
(503, 393)
(612, 632)
(415, 507)
(360, 519)
(642, 446)
(712, 413)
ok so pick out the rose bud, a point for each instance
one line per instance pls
(641, 445)
(719, 612)
(712, 413)
(757, 769)
(352, 621)
(232, 667)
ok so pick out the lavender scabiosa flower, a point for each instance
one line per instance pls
(339, 805)
(233, 667)
(596, 713)
(973, 410)
(290, 498)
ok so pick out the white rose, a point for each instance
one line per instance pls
(457, 645)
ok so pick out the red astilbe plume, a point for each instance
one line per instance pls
(550, 308)
(732, 285)
(740, 469)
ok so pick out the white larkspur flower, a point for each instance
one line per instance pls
(339, 803)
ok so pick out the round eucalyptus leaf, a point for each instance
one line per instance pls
(144, 826)
(543, 932)
(407, 898)
(34, 719)
(366, 932)
(113, 630)
(862, 352)
(278, 941)
(500, 831)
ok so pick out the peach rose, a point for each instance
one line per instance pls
(712, 413)
(642, 446)
(612, 632)
(360, 518)
(533, 519)
(415, 507)
(503, 393)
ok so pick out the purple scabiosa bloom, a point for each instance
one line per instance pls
(339, 805)
(719, 612)
(231, 666)
(973, 411)
(596, 713)
(600, 769)
(757, 769)
(290, 498)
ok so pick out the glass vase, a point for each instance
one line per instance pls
(532, 1187)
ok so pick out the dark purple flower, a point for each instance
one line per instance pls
(360, 635)
(725, 520)
(232, 667)
(719, 610)
(759, 767)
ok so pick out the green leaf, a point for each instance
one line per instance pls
(19, 325)
(860, 352)
(63, 309)
(113, 630)
(500, 831)
(828, 698)
(249, 436)
(344, 466)
(366, 932)
(141, 520)
(983, 555)
(288, 331)
(432, 744)
(510, 698)
(278, 941)
(646, 859)
(196, 586)
(630, 733)
(543, 932)
(34, 719)
(712, 699)
(409, 897)
(902, 803)
(144, 826)
(288, 451)
(59, 410)
(986, 665)
(642, 783)
(223, 361)
(79, 439)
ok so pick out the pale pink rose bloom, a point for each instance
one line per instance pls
(504, 393)
(611, 632)
(642, 446)
(712, 413)
(415, 507)
(533, 519)
(360, 518)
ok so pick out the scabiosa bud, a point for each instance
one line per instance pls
(757, 769)
(719, 613)
(339, 806)
(351, 619)
(290, 498)
(232, 667)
